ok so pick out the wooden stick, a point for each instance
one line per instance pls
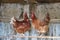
(31, 36)
(55, 20)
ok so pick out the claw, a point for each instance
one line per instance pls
(22, 34)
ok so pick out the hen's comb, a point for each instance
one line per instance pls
(32, 13)
(25, 16)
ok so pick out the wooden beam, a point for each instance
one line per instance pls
(8, 20)
(55, 21)
(30, 1)
(48, 1)
(12, 36)
(12, 1)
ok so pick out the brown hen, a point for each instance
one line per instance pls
(39, 25)
(21, 26)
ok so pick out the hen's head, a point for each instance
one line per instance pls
(25, 16)
(13, 19)
(33, 15)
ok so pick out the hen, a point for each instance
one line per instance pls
(39, 25)
(21, 26)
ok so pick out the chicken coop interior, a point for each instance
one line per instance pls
(29, 19)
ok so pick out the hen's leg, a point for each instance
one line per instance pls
(42, 34)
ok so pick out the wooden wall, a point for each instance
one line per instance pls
(30, 1)
(10, 10)
(6, 29)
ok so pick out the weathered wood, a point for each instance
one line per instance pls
(32, 36)
(51, 21)
(55, 21)
(12, 1)
(6, 30)
(57, 31)
(30, 1)
(10, 10)
(47, 1)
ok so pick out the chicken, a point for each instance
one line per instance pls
(39, 25)
(21, 26)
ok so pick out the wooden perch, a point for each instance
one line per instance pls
(55, 21)
(51, 21)
(29, 36)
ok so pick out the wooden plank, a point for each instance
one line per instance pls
(31, 36)
(27, 34)
(51, 21)
(31, 1)
(47, 1)
(57, 31)
(33, 33)
(54, 20)
(12, 1)
(54, 31)
(40, 7)
(50, 31)
(6, 26)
